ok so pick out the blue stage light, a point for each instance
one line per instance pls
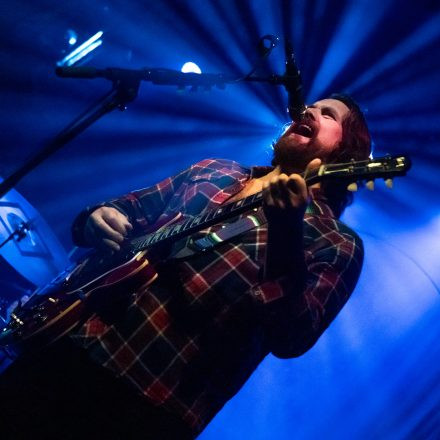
(420, 38)
(190, 67)
(71, 37)
(352, 31)
(81, 51)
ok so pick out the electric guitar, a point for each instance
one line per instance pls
(70, 299)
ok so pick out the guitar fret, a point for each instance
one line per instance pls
(196, 221)
(238, 204)
(143, 244)
(176, 228)
(165, 233)
(186, 224)
(153, 239)
(204, 218)
(209, 213)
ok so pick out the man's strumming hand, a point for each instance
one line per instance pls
(106, 228)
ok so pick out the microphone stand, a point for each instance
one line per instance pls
(124, 91)
(18, 234)
(126, 84)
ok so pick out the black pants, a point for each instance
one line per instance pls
(60, 394)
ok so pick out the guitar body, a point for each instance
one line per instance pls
(100, 278)
(56, 309)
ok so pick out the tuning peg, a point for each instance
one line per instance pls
(352, 187)
(370, 185)
(389, 183)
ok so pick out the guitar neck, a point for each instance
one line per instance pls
(386, 168)
(212, 217)
(199, 222)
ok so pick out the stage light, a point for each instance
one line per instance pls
(81, 51)
(423, 36)
(190, 67)
(351, 33)
(71, 37)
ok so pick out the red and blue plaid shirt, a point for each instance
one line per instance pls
(190, 340)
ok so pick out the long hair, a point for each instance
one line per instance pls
(355, 144)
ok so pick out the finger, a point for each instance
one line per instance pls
(108, 244)
(286, 190)
(118, 222)
(277, 187)
(312, 166)
(102, 229)
(297, 187)
(267, 197)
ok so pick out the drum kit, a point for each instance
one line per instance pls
(30, 253)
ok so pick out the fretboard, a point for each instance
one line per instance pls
(386, 168)
(197, 223)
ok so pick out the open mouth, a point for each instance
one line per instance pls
(303, 130)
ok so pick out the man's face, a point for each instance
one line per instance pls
(317, 135)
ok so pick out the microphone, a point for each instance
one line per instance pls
(293, 85)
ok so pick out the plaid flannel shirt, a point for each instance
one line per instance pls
(190, 340)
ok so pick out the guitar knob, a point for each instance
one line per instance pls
(353, 187)
(389, 183)
(41, 317)
(370, 185)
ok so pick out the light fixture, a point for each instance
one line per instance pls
(190, 67)
(81, 51)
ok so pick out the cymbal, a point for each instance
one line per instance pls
(32, 250)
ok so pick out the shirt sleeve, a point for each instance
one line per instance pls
(295, 316)
(142, 207)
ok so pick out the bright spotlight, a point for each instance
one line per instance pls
(72, 37)
(190, 67)
(82, 50)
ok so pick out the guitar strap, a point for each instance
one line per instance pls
(240, 226)
(230, 230)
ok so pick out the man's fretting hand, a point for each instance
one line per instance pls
(285, 198)
(106, 228)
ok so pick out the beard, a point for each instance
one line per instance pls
(292, 156)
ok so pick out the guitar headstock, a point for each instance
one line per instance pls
(367, 171)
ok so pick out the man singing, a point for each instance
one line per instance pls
(162, 361)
